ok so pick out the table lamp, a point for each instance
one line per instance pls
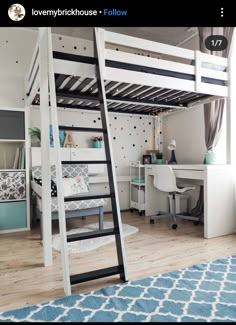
(172, 147)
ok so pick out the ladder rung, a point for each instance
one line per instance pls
(91, 234)
(102, 273)
(75, 128)
(85, 162)
(88, 197)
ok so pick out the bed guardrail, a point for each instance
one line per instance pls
(205, 73)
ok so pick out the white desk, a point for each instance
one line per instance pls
(219, 195)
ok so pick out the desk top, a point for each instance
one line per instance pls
(191, 166)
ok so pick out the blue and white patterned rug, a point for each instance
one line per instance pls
(204, 292)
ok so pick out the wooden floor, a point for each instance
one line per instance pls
(154, 249)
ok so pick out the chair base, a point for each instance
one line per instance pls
(160, 215)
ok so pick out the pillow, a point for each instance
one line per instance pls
(53, 186)
(74, 185)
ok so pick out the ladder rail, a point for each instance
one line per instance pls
(60, 194)
(99, 47)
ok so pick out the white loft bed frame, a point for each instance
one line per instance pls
(139, 84)
(131, 91)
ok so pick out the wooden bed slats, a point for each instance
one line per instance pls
(76, 81)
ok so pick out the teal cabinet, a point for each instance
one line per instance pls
(13, 215)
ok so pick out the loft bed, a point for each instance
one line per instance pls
(128, 83)
(134, 84)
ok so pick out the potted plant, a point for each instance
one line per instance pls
(159, 158)
(97, 142)
(35, 134)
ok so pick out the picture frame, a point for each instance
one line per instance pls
(147, 159)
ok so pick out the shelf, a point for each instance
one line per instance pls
(137, 166)
(15, 200)
(138, 184)
(11, 140)
(14, 230)
(12, 170)
(136, 205)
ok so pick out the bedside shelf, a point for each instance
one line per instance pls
(137, 165)
(137, 189)
(138, 184)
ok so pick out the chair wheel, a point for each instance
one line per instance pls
(196, 223)
(151, 222)
(174, 226)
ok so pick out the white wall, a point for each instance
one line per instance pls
(187, 128)
(15, 55)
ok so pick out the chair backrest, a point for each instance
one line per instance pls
(164, 179)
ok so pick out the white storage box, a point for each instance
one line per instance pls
(181, 203)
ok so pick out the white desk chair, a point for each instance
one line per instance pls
(165, 180)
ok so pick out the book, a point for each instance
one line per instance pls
(22, 158)
(15, 164)
(19, 159)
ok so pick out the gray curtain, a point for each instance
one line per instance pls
(213, 112)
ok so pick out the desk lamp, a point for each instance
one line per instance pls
(172, 147)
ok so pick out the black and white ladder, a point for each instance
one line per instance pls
(120, 268)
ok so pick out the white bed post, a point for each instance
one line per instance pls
(231, 104)
(45, 149)
(27, 164)
(60, 195)
(27, 154)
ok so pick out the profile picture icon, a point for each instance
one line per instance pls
(16, 12)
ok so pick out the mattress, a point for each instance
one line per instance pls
(74, 205)
(69, 206)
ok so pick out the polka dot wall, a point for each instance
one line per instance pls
(131, 136)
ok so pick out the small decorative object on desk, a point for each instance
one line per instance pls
(153, 154)
(147, 159)
(172, 147)
(159, 156)
(210, 157)
(97, 142)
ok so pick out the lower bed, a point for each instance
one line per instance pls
(73, 209)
